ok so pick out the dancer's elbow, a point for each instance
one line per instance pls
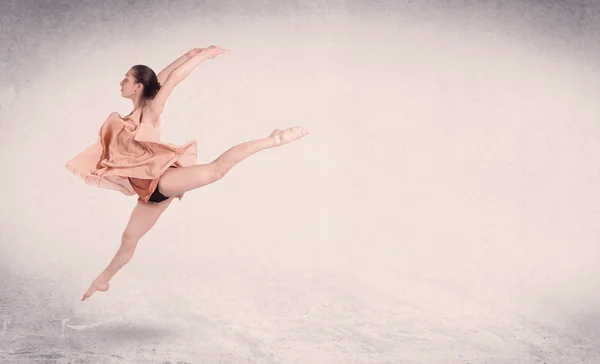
(177, 75)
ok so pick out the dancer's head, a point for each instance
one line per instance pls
(140, 80)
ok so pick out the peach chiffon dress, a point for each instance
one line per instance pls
(129, 156)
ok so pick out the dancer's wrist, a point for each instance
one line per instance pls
(193, 52)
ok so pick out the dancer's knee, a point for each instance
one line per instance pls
(219, 169)
(129, 239)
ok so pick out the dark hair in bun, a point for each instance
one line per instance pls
(146, 76)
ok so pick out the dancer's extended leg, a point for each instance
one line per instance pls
(179, 180)
(143, 217)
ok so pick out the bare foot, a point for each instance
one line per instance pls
(95, 286)
(288, 135)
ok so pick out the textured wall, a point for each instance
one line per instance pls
(453, 150)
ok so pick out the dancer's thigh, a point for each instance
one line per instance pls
(143, 217)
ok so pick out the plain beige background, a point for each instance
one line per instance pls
(444, 208)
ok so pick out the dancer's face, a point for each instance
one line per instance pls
(129, 87)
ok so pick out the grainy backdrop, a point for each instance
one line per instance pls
(444, 209)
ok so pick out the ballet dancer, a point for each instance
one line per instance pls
(130, 157)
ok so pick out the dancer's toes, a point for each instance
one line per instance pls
(95, 286)
(87, 295)
(288, 135)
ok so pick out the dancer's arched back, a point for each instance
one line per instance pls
(149, 94)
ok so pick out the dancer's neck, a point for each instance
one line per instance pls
(138, 103)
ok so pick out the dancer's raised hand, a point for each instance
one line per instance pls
(194, 51)
(212, 52)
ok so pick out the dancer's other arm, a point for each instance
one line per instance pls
(162, 75)
(178, 74)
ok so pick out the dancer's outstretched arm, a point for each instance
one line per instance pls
(162, 75)
(179, 74)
